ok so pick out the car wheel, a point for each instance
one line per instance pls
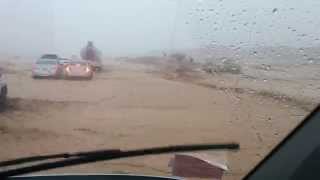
(3, 96)
(89, 78)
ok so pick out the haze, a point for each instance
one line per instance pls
(34, 27)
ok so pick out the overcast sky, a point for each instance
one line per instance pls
(124, 27)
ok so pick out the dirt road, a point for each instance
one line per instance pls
(128, 107)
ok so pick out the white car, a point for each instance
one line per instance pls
(47, 66)
(3, 91)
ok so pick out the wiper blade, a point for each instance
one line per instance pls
(104, 155)
(31, 159)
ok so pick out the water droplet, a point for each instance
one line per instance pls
(186, 22)
(210, 9)
(255, 53)
(243, 10)
(265, 80)
(254, 23)
(234, 28)
(301, 50)
(310, 61)
(274, 10)
(293, 30)
(201, 19)
(233, 15)
(291, 8)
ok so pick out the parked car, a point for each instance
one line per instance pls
(47, 66)
(3, 91)
(78, 69)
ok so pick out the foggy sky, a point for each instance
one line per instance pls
(123, 27)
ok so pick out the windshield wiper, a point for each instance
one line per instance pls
(102, 155)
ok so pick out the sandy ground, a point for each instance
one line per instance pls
(132, 105)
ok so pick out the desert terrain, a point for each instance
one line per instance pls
(137, 103)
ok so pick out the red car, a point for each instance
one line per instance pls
(78, 69)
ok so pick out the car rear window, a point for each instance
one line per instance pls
(49, 56)
(46, 62)
(82, 63)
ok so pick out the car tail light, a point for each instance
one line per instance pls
(88, 69)
(68, 68)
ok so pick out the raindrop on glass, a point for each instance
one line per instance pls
(301, 50)
(255, 53)
(274, 10)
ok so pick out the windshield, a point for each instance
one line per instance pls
(161, 73)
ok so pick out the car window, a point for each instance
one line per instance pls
(49, 56)
(46, 62)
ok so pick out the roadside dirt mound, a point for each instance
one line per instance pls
(31, 105)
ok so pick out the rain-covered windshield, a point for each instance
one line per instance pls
(162, 72)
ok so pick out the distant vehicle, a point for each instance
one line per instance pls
(3, 91)
(78, 69)
(47, 66)
(91, 54)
